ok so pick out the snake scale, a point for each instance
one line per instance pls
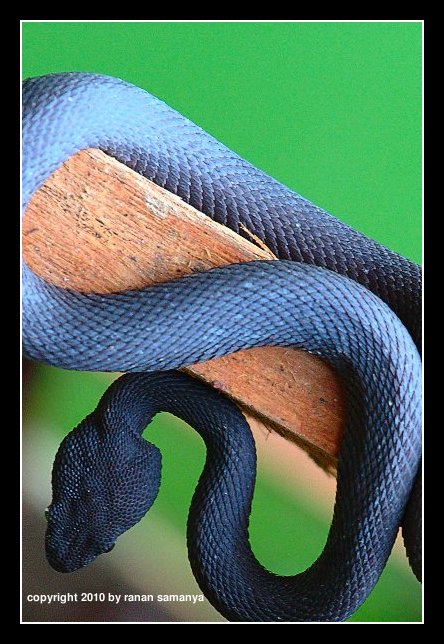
(332, 292)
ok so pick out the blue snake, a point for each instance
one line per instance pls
(332, 292)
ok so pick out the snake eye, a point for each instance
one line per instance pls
(110, 548)
(47, 514)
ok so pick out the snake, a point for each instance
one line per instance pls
(331, 291)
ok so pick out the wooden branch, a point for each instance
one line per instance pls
(97, 226)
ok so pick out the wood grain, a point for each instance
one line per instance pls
(97, 226)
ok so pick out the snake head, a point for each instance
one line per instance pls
(104, 480)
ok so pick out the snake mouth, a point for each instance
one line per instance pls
(67, 559)
(70, 552)
(63, 566)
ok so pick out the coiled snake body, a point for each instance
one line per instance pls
(344, 297)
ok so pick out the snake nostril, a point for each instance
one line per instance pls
(110, 548)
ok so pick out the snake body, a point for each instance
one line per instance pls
(332, 292)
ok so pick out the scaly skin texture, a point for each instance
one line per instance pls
(106, 476)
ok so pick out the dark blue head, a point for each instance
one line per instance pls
(104, 480)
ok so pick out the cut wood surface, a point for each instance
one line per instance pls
(97, 226)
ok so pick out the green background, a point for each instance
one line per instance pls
(332, 110)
